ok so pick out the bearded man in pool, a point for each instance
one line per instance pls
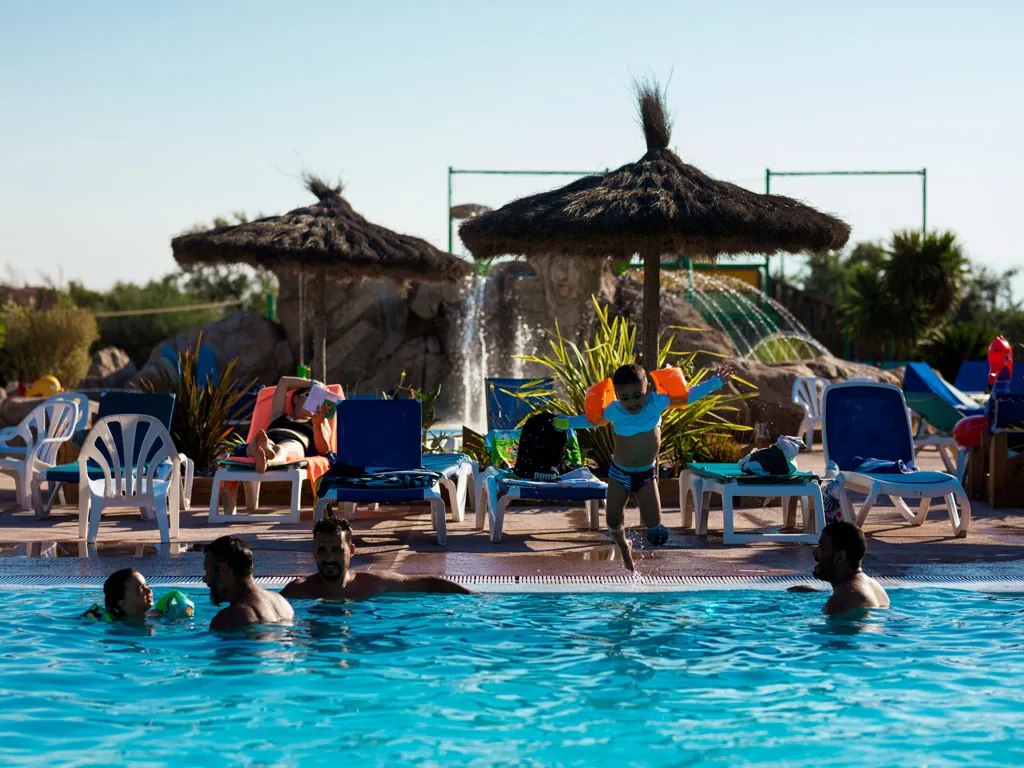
(228, 566)
(838, 557)
(335, 579)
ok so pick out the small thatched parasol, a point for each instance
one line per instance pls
(329, 239)
(657, 205)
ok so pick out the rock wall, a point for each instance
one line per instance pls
(260, 346)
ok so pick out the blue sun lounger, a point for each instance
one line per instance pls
(381, 435)
(869, 420)
(939, 405)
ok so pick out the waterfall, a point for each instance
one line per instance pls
(472, 357)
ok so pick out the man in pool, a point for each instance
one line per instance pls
(229, 565)
(838, 557)
(335, 579)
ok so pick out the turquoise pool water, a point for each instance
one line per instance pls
(712, 678)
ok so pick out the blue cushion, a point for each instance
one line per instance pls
(914, 478)
(556, 492)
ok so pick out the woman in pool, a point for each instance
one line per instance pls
(291, 438)
(127, 597)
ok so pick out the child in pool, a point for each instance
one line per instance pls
(127, 596)
(635, 416)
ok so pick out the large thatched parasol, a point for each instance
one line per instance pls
(329, 239)
(657, 205)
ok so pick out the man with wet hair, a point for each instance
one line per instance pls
(838, 557)
(228, 566)
(335, 579)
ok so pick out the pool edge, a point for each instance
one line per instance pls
(579, 584)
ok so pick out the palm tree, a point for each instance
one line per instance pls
(928, 271)
(872, 313)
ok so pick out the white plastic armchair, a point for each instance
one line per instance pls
(9, 435)
(42, 431)
(141, 469)
(807, 393)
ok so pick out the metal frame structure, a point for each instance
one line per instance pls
(923, 173)
(491, 172)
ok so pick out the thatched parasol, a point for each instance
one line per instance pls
(657, 205)
(329, 239)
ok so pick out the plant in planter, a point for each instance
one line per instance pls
(428, 405)
(204, 410)
(614, 344)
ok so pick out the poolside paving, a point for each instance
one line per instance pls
(543, 541)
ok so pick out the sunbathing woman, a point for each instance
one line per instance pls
(291, 438)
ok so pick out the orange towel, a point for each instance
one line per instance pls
(315, 465)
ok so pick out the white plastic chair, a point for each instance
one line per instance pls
(10, 434)
(807, 393)
(140, 469)
(42, 431)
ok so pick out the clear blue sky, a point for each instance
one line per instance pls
(123, 123)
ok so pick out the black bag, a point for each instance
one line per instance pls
(542, 449)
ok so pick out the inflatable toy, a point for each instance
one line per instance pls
(44, 386)
(1000, 356)
(968, 432)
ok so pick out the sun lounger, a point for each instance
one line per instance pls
(242, 469)
(870, 421)
(699, 481)
(940, 406)
(972, 378)
(502, 488)
(382, 435)
(507, 405)
(456, 470)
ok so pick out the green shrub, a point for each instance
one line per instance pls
(203, 410)
(948, 347)
(574, 371)
(48, 342)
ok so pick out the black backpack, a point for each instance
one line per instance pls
(543, 449)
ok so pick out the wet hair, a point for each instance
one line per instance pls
(333, 525)
(113, 590)
(847, 537)
(628, 375)
(232, 551)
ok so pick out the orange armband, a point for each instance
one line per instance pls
(671, 382)
(598, 397)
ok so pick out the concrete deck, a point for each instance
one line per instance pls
(537, 541)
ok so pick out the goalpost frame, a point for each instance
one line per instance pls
(923, 173)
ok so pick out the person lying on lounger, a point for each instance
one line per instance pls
(291, 438)
(335, 579)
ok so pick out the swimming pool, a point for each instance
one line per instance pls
(712, 678)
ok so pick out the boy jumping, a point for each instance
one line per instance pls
(635, 416)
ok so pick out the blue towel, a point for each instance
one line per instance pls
(882, 466)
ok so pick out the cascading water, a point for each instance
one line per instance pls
(759, 327)
(473, 355)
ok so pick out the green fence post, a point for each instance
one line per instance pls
(271, 308)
